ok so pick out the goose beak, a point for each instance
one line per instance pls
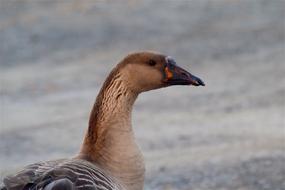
(175, 75)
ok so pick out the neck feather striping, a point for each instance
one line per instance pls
(112, 109)
(106, 103)
(109, 142)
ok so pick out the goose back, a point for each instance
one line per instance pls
(75, 173)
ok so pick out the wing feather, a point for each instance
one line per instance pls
(61, 174)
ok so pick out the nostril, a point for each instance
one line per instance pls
(184, 74)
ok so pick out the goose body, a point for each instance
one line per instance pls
(68, 173)
(109, 158)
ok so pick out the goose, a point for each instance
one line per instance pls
(109, 157)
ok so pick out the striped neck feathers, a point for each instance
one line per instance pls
(110, 141)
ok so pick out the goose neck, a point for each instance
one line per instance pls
(110, 141)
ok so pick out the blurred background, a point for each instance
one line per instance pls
(54, 56)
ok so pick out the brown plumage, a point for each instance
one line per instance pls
(109, 157)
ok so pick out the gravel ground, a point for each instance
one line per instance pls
(228, 135)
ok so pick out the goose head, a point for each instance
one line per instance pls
(146, 71)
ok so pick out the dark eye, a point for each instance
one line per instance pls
(151, 62)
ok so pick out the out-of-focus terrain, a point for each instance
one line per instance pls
(54, 55)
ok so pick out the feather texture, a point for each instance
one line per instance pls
(61, 174)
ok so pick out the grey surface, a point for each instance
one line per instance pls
(227, 135)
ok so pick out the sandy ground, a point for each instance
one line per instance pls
(227, 135)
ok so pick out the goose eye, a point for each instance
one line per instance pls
(151, 62)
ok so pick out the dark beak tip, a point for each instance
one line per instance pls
(198, 82)
(201, 83)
